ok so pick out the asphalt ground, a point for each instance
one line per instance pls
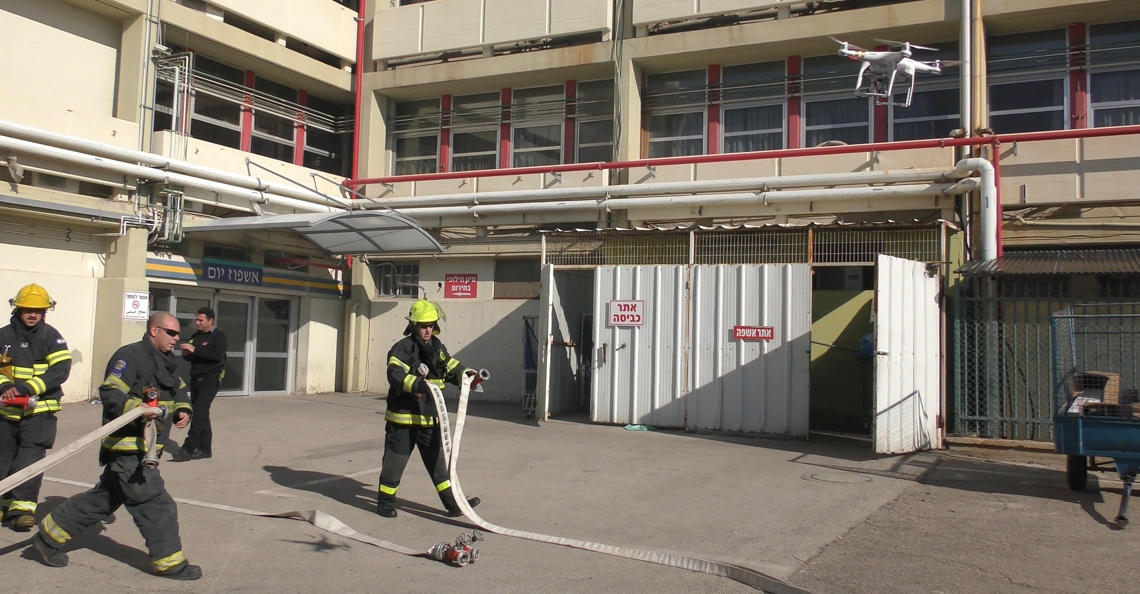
(825, 514)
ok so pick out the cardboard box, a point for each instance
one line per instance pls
(1104, 384)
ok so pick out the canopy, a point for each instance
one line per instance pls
(339, 233)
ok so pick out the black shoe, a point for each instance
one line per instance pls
(386, 510)
(455, 512)
(47, 555)
(183, 572)
(181, 455)
(201, 455)
(22, 522)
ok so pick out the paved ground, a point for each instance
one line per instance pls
(823, 514)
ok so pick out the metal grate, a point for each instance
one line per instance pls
(764, 247)
(858, 247)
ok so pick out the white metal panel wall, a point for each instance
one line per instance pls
(639, 372)
(908, 357)
(683, 368)
(761, 386)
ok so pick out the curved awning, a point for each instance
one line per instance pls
(339, 233)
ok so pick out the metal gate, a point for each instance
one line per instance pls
(721, 347)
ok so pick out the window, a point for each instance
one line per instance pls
(415, 128)
(397, 279)
(1114, 79)
(475, 132)
(594, 109)
(830, 112)
(752, 115)
(676, 108)
(518, 279)
(536, 120)
(1027, 73)
(934, 108)
(224, 252)
(213, 118)
(273, 135)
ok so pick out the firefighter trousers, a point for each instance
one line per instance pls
(125, 482)
(23, 443)
(399, 440)
(203, 390)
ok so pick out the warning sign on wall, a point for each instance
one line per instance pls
(136, 305)
(461, 286)
(627, 313)
(753, 333)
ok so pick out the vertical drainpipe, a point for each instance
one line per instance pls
(794, 73)
(714, 110)
(358, 91)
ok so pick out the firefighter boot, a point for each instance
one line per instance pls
(182, 572)
(455, 512)
(23, 522)
(386, 509)
(44, 553)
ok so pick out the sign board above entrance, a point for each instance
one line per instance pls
(461, 286)
(227, 272)
(753, 333)
(627, 313)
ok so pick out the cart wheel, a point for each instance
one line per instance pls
(1077, 471)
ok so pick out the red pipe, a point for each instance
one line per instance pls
(359, 91)
(782, 153)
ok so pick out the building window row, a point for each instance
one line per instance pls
(238, 109)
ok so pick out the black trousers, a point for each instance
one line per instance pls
(398, 443)
(23, 443)
(203, 390)
(125, 481)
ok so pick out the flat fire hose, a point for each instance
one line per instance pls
(744, 575)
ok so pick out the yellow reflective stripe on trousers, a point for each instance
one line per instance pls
(124, 444)
(385, 489)
(409, 383)
(408, 419)
(399, 363)
(443, 486)
(437, 382)
(19, 505)
(57, 356)
(168, 563)
(54, 531)
(452, 363)
(113, 381)
(12, 413)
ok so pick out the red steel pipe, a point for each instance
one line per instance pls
(359, 92)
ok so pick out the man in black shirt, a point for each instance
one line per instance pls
(206, 352)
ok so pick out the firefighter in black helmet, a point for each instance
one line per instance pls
(34, 363)
(411, 419)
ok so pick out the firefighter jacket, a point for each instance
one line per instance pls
(403, 376)
(131, 370)
(40, 363)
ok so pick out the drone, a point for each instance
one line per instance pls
(887, 66)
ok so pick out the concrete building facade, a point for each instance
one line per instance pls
(484, 121)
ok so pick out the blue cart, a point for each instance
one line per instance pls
(1096, 354)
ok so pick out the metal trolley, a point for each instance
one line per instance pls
(1096, 370)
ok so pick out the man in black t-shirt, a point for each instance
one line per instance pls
(206, 352)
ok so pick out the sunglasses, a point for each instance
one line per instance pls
(170, 333)
(425, 326)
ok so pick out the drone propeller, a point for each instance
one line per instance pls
(903, 44)
(845, 44)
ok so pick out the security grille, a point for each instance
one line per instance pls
(848, 247)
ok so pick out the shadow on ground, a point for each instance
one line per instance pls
(92, 539)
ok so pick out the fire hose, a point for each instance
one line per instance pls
(458, 553)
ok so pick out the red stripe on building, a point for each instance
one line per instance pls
(881, 114)
(299, 129)
(568, 153)
(795, 82)
(713, 147)
(505, 131)
(1078, 77)
(247, 114)
(445, 133)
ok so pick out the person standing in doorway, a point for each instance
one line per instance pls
(206, 352)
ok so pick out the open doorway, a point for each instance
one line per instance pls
(566, 330)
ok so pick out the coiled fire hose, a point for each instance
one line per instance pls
(451, 448)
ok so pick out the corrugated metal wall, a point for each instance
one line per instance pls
(684, 369)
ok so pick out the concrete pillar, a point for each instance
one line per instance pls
(357, 327)
(374, 129)
(136, 77)
(629, 110)
(125, 271)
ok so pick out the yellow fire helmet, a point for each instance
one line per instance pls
(424, 311)
(32, 297)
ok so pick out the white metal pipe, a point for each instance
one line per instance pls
(691, 187)
(990, 228)
(48, 152)
(914, 190)
(91, 147)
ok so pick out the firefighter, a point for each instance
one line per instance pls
(411, 419)
(34, 362)
(137, 373)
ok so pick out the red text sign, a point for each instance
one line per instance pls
(461, 286)
(627, 313)
(753, 333)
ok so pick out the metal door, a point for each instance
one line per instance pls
(908, 357)
(566, 295)
(545, 337)
(234, 320)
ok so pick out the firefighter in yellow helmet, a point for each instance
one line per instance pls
(411, 420)
(34, 363)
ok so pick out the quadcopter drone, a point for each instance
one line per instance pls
(885, 67)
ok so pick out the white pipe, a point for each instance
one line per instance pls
(350, 379)
(990, 227)
(917, 190)
(691, 187)
(47, 152)
(153, 160)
